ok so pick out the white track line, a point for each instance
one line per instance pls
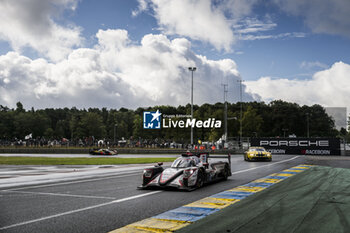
(79, 210)
(78, 181)
(59, 194)
(253, 168)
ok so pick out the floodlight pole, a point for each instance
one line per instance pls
(225, 110)
(241, 113)
(115, 133)
(307, 125)
(192, 69)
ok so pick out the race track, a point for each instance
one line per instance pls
(106, 202)
(91, 156)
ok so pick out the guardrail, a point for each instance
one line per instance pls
(120, 151)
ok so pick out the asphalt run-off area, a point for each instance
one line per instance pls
(105, 198)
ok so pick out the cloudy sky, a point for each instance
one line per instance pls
(118, 53)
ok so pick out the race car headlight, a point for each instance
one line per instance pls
(188, 173)
(147, 173)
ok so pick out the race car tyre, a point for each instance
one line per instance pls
(200, 179)
(226, 172)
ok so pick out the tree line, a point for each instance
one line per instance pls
(259, 119)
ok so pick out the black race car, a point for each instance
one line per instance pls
(102, 152)
(189, 171)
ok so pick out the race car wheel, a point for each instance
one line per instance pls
(226, 172)
(200, 179)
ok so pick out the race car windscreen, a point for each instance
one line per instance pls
(257, 149)
(183, 162)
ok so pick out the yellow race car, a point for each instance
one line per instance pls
(257, 153)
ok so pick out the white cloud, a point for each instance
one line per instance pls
(253, 25)
(236, 8)
(214, 22)
(203, 19)
(322, 16)
(219, 23)
(143, 5)
(313, 65)
(198, 20)
(117, 72)
(30, 24)
(276, 36)
(329, 88)
(252, 29)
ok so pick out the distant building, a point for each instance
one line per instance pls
(339, 116)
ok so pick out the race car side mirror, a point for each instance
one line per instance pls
(160, 163)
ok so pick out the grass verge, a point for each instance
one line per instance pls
(20, 160)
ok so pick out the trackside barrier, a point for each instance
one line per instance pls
(178, 218)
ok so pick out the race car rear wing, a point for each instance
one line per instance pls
(228, 157)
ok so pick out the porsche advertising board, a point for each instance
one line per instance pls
(301, 146)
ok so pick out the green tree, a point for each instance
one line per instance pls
(19, 108)
(92, 125)
(62, 129)
(214, 135)
(49, 133)
(251, 122)
(137, 128)
(264, 119)
(30, 122)
(320, 124)
(7, 127)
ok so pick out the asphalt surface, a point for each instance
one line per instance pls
(91, 156)
(108, 202)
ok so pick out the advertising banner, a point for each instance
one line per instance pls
(300, 146)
